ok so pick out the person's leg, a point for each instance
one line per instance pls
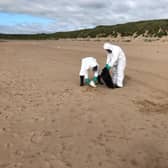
(87, 80)
(82, 73)
(95, 78)
(120, 72)
(114, 75)
(81, 80)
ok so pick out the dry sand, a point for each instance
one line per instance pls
(48, 121)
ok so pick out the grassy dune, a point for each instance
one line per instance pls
(152, 28)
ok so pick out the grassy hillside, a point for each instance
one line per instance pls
(152, 28)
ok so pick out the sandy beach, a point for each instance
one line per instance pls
(48, 121)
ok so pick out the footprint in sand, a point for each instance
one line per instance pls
(37, 137)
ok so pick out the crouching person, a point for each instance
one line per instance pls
(89, 63)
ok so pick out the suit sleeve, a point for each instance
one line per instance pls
(108, 59)
(96, 74)
(113, 59)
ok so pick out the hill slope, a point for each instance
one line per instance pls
(152, 28)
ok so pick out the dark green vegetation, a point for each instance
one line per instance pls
(152, 28)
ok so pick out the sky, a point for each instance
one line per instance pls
(47, 16)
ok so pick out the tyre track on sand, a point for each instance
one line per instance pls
(148, 73)
(135, 77)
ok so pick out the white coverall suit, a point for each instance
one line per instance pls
(117, 61)
(86, 64)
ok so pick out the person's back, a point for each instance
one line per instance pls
(88, 63)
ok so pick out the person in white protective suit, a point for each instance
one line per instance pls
(116, 61)
(89, 63)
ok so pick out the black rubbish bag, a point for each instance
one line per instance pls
(105, 75)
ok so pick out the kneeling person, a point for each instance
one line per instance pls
(89, 63)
